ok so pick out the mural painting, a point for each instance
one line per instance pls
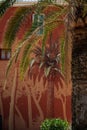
(23, 104)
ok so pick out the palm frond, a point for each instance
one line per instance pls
(46, 31)
(41, 5)
(35, 25)
(9, 65)
(62, 48)
(30, 38)
(85, 10)
(56, 13)
(32, 29)
(14, 25)
(51, 22)
(4, 5)
(48, 28)
(55, 19)
(37, 51)
(27, 52)
(16, 22)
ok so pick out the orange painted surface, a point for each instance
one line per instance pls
(30, 99)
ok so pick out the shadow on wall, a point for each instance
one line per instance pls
(0, 122)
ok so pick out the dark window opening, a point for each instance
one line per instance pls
(5, 54)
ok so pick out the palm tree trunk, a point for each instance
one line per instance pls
(68, 54)
(29, 107)
(78, 34)
(50, 99)
(20, 115)
(1, 110)
(37, 105)
(12, 103)
(64, 107)
(79, 78)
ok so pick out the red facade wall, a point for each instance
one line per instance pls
(28, 109)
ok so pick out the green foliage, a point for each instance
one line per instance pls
(14, 25)
(85, 10)
(62, 47)
(27, 43)
(26, 56)
(4, 5)
(54, 124)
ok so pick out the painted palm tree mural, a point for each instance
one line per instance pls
(35, 59)
(49, 63)
(46, 64)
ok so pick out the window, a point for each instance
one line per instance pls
(5, 54)
(38, 20)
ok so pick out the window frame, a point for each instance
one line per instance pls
(38, 20)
